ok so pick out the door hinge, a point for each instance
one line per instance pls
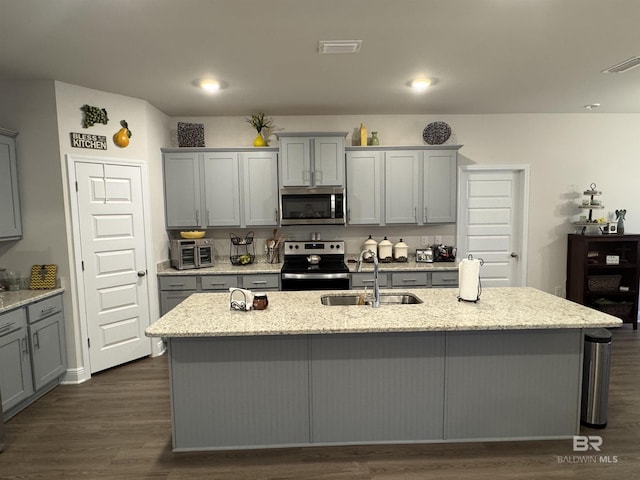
(76, 186)
(82, 264)
(89, 342)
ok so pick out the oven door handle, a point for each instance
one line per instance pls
(315, 276)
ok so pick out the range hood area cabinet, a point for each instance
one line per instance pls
(220, 187)
(410, 185)
(312, 159)
(10, 220)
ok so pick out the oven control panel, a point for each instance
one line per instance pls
(314, 246)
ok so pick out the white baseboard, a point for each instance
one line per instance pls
(74, 376)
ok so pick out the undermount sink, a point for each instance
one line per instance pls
(359, 299)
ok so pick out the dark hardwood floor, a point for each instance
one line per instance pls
(117, 426)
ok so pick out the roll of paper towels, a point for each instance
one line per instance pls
(469, 279)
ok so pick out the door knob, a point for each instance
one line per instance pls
(141, 273)
(514, 255)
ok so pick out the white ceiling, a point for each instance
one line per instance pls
(485, 56)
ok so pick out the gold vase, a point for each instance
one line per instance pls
(259, 141)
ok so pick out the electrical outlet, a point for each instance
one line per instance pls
(424, 241)
(438, 240)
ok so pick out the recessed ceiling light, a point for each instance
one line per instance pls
(591, 106)
(420, 84)
(625, 66)
(209, 85)
(339, 46)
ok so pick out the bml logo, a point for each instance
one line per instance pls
(584, 443)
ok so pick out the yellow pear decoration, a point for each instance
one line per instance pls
(122, 136)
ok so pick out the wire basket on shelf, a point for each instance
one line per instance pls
(604, 283)
(617, 309)
(242, 249)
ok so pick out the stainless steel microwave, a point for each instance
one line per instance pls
(195, 253)
(312, 206)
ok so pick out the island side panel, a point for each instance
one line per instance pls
(513, 384)
(377, 388)
(242, 392)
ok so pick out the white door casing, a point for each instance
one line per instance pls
(493, 221)
(111, 233)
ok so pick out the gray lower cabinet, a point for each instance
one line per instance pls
(15, 361)
(365, 279)
(176, 288)
(377, 387)
(409, 279)
(446, 279)
(10, 220)
(32, 353)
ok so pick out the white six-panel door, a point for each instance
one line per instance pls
(492, 222)
(112, 233)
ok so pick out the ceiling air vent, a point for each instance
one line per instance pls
(625, 66)
(339, 46)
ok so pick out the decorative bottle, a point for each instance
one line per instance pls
(363, 135)
(374, 138)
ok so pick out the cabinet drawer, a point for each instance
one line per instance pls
(409, 279)
(271, 281)
(181, 282)
(444, 279)
(11, 321)
(44, 308)
(365, 279)
(219, 282)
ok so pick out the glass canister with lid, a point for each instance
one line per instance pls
(400, 251)
(385, 250)
(371, 245)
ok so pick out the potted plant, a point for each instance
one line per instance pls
(260, 122)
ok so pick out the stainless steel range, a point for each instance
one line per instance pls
(314, 265)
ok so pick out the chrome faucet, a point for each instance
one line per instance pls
(376, 282)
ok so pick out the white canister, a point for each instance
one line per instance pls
(400, 251)
(369, 244)
(385, 248)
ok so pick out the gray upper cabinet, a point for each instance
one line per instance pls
(401, 186)
(10, 221)
(312, 159)
(439, 191)
(221, 188)
(259, 171)
(364, 187)
(182, 189)
(418, 185)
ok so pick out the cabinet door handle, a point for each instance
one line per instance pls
(348, 215)
(276, 214)
(407, 280)
(415, 214)
(259, 282)
(197, 218)
(36, 340)
(25, 346)
(176, 284)
(317, 175)
(424, 220)
(47, 311)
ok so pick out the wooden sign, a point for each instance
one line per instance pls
(85, 140)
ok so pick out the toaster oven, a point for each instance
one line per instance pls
(191, 253)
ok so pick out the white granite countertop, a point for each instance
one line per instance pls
(225, 267)
(19, 298)
(298, 313)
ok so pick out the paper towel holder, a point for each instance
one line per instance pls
(460, 299)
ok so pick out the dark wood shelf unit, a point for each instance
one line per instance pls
(587, 259)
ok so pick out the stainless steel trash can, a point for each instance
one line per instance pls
(595, 377)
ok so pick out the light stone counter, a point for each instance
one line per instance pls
(300, 313)
(19, 298)
(223, 266)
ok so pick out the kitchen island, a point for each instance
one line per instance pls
(303, 373)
